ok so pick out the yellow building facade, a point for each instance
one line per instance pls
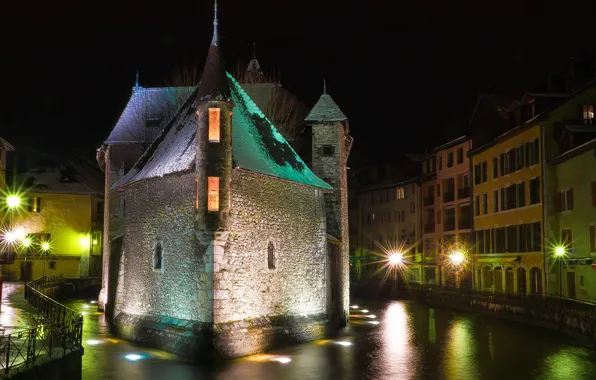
(508, 218)
(57, 234)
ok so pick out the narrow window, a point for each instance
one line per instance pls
(460, 155)
(157, 256)
(34, 204)
(592, 239)
(328, 150)
(213, 194)
(588, 113)
(214, 130)
(197, 194)
(52, 264)
(496, 201)
(484, 203)
(495, 167)
(449, 159)
(270, 255)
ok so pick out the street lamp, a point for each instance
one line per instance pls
(13, 201)
(396, 258)
(560, 253)
(45, 247)
(457, 258)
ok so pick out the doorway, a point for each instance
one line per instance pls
(26, 271)
(571, 284)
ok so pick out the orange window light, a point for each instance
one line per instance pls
(214, 119)
(213, 194)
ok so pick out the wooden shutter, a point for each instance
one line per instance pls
(570, 199)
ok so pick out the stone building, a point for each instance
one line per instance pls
(229, 244)
(388, 222)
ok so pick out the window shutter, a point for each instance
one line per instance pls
(558, 201)
(38, 204)
(592, 239)
(594, 194)
(570, 200)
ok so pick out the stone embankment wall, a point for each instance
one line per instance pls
(576, 320)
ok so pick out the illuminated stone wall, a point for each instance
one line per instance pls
(290, 216)
(163, 209)
(333, 169)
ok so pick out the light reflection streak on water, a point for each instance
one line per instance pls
(460, 353)
(396, 352)
(432, 331)
(570, 363)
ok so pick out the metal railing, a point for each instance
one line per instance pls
(29, 347)
(528, 300)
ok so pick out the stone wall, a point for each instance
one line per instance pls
(162, 209)
(267, 210)
(333, 169)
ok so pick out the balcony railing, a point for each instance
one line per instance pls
(463, 193)
(429, 201)
(429, 228)
(449, 196)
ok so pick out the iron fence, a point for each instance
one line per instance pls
(29, 347)
(535, 302)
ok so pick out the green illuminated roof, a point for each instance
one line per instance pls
(257, 146)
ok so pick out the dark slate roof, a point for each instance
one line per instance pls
(451, 143)
(146, 103)
(326, 110)
(6, 145)
(257, 146)
(590, 145)
(214, 85)
(50, 174)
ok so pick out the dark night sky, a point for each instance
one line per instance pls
(403, 72)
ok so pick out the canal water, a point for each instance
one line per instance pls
(392, 340)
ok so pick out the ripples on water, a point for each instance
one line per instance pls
(411, 341)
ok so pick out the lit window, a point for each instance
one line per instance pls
(214, 124)
(213, 194)
(34, 204)
(270, 255)
(197, 194)
(588, 113)
(401, 193)
(52, 264)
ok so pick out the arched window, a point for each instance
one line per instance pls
(157, 257)
(270, 255)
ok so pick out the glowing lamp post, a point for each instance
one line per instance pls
(396, 259)
(45, 248)
(457, 260)
(13, 201)
(560, 253)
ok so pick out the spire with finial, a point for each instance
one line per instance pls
(215, 40)
(137, 80)
(324, 86)
(254, 50)
(214, 82)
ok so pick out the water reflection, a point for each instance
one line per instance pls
(461, 361)
(410, 341)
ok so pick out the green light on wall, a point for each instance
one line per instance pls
(45, 246)
(84, 241)
(26, 242)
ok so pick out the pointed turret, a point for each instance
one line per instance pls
(214, 84)
(325, 110)
(254, 74)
